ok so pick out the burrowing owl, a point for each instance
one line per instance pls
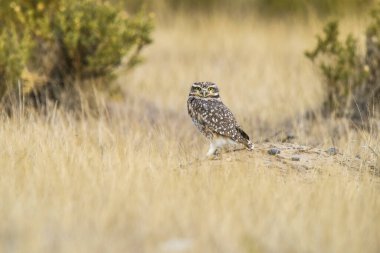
(213, 118)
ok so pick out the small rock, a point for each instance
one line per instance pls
(332, 151)
(274, 151)
(295, 158)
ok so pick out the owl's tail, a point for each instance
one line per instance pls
(245, 139)
(250, 145)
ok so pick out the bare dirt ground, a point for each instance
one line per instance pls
(286, 156)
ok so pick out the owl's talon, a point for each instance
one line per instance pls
(215, 156)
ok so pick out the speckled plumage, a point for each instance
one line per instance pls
(213, 119)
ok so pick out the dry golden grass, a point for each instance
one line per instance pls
(137, 181)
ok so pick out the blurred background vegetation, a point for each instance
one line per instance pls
(266, 8)
(60, 50)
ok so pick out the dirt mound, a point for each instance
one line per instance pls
(301, 157)
(293, 156)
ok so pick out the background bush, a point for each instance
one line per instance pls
(55, 47)
(15, 50)
(341, 66)
(352, 80)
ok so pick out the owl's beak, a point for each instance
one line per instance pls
(204, 93)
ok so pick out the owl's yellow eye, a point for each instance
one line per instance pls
(197, 89)
(211, 89)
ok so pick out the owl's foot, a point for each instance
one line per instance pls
(216, 156)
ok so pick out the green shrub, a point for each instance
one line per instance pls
(51, 47)
(372, 60)
(14, 54)
(94, 40)
(340, 65)
(352, 80)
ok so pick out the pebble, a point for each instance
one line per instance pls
(274, 151)
(295, 158)
(332, 151)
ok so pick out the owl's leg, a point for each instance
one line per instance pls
(217, 143)
(212, 150)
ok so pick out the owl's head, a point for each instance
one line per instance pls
(204, 90)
